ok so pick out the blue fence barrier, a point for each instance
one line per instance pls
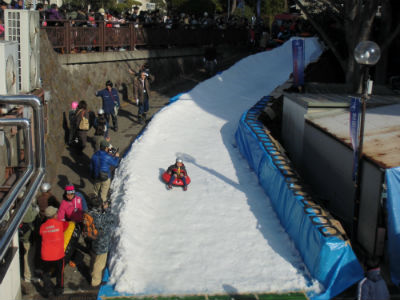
(393, 210)
(323, 247)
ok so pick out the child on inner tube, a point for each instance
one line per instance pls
(177, 170)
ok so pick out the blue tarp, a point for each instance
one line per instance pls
(393, 226)
(328, 257)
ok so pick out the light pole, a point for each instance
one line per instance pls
(366, 54)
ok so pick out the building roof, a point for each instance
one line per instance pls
(382, 124)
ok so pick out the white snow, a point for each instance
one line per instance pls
(222, 235)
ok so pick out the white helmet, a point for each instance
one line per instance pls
(178, 160)
(45, 187)
(100, 111)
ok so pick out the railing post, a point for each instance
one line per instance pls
(101, 37)
(67, 37)
(132, 36)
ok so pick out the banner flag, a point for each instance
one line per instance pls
(355, 119)
(298, 61)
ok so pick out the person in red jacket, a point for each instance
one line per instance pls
(52, 251)
(71, 208)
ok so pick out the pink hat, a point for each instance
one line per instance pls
(74, 105)
(70, 189)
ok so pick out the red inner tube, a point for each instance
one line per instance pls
(166, 177)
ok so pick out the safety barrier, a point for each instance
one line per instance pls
(319, 238)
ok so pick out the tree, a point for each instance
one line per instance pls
(343, 24)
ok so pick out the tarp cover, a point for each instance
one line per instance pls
(393, 211)
(329, 259)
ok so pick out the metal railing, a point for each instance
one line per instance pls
(66, 37)
(34, 172)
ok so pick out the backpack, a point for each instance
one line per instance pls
(84, 123)
(89, 230)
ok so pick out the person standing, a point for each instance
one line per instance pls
(71, 208)
(72, 122)
(82, 124)
(142, 94)
(100, 166)
(52, 251)
(111, 103)
(373, 286)
(104, 221)
(100, 129)
(46, 199)
(27, 238)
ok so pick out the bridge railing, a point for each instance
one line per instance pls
(68, 37)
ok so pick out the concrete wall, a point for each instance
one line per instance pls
(328, 169)
(10, 286)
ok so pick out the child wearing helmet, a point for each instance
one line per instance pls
(46, 198)
(177, 170)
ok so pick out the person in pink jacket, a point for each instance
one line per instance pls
(71, 206)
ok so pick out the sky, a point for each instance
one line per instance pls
(222, 234)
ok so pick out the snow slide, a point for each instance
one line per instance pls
(222, 235)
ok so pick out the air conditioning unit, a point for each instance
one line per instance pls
(9, 75)
(23, 26)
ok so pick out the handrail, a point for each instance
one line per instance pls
(67, 36)
(38, 166)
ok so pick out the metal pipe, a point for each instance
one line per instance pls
(39, 165)
(34, 102)
(22, 181)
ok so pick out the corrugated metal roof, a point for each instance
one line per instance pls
(382, 126)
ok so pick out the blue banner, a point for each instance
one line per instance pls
(258, 8)
(355, 119)
(298, 61)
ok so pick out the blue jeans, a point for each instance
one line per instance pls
(173, 176)
(144, 106)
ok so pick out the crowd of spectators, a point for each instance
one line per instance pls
(260, 35)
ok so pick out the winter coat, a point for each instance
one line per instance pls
(139, 90)
(70, 210)
(104, 222)
(174, 169)
(28, 225)
(373, 287)
(52, 233)
(101, 162)
(110, 99)
(101, 126)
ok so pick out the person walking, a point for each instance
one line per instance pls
(100, 166)
(72, 122)
(111, 103)
(142, 94)
(52, 251)
(100, 129)
(104, 221)
(82, 124)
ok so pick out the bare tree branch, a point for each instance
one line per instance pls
(390, 39)
(324, 36)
